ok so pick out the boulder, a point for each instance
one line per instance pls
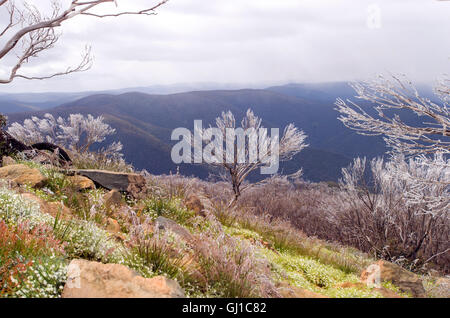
(165, 224)
(385, 271)
(288, 291)
(87, 279)
(194, 203)
(81, 183)
(132, 183)
(23, 175)
(112, 199)
(440, 288)
(8, 161)
(112, 226)
(52, 208)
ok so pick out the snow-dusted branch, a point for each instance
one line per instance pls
(390, 98)
(427, 182)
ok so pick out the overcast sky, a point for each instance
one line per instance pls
(249, 41)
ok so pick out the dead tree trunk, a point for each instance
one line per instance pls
(11, 146)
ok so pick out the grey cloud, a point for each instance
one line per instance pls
(252, 41)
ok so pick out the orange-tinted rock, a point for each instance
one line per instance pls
(81, 183)
(112, 199)
(87, 279)
(112, 226)
(194, 203)
(385, 271)
(23, 175)
(53, 208)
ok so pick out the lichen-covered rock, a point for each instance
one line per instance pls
(385, 271)
(439, 288)
(23, 175)
(87, 279)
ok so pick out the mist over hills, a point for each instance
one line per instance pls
(144, 124)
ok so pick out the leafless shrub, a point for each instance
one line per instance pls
(403, 214)
(171, 186)
(373, 215)
(77, 133)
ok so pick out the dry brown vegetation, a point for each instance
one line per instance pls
(296, 212)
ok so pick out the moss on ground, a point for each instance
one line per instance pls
(309, 273)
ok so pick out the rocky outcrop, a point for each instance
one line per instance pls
(132, 183)
(87, 279)
(385, 271)
(81, 183)
(165, 224)
(23, 175)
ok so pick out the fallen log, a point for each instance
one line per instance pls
(11, 146)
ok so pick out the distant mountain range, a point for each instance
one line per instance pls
(21, 102)
(144, 123)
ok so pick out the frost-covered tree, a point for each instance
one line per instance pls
(253, 151)
(77, 133)
(373, 210)
(427, 143)
(30, 29)
(427, 182)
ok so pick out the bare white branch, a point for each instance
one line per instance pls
(33, 32)
(389, 99)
